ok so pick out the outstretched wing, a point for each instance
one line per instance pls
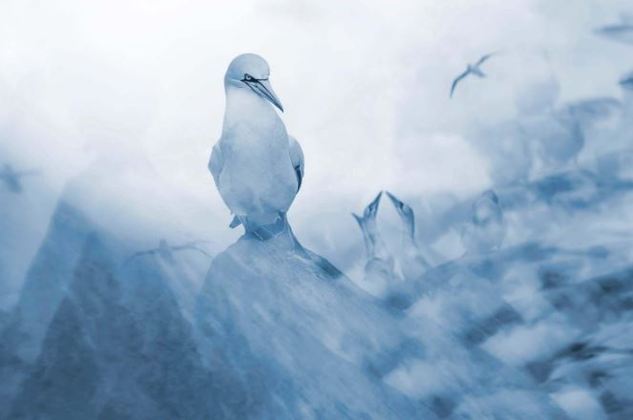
(484, 59)
(216, 163)
(457, 80)
(296, 157)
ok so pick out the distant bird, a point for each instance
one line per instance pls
(474, 69)
(257, 167)
(379, 268)
(165, 251)
(412, 261)
(620, 32)
(486, 231)
(12, 178)
(626, 82)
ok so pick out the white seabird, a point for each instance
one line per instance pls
(412, 262)
(379, 268)
(257, 167)
(471, 69)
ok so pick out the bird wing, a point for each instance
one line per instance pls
(216, 163)
(457, 80)
(296, 157)
(484, 59)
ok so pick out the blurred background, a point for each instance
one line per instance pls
(130, 96)
(510, 200)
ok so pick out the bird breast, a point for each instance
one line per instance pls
(257, 175)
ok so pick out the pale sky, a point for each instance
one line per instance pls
(364, 84)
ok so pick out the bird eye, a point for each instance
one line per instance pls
(248, 76)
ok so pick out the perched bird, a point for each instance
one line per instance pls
(474, 69)
(12, 178)
(379, 268)
(257, 167)
(487, 229)
(165, 251)
(411, 259)
(620, 32)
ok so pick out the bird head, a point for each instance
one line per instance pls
(487, 209)
(372, 209)
(404, 210)
(250, 71)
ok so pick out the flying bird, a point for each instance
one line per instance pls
(412, 262)
(165, 250)
(256, 166)
(471, 69)
(13, 179)
(619, 32)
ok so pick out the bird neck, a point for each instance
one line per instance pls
(408, 235)
(244, 106)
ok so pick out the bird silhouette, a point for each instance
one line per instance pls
(13, 179)
(411, 260)
(471, 69)
(257, 167)
(165, 250)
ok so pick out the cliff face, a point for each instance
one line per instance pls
(298, 336)
(117, 347)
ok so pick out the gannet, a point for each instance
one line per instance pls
(257, 167)
(411, 260)
(379, 268)
(12, 178)
(487, 229)
(165, 251)
(474, 69)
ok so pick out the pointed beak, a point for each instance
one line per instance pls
(396, 202)
(372, 208)
(393, 199)
(265, 90)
